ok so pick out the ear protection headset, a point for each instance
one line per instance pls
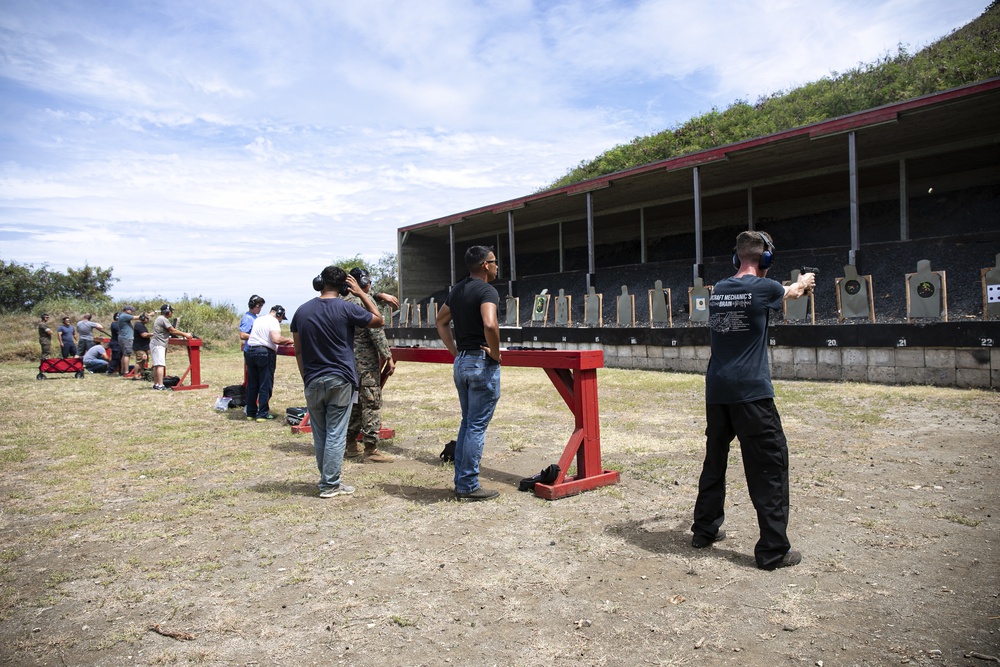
(165, 308)
(318, 284)
(362, 277)
(766, 257)
(279, 312)
(255, 301)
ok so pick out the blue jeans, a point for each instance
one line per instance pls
(261, 362)
(329, 401)
(97, 366)
(477, 378)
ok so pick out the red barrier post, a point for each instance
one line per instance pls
(193, 369)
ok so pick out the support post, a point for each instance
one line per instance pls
(852, 158)
(904, 203)
(699, 260)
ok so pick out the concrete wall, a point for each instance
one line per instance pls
(949, 367)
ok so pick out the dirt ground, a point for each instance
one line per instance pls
(125, 511)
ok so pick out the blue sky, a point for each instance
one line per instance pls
(220, 148)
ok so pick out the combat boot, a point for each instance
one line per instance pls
(374, 455)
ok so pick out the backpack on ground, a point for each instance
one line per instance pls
(237, 394)
(294, 416)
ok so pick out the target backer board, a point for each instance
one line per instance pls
(698, 296)
(926, 293)
(661, 310)
(513, 315)
(626, 308)
(564, 310)
(540, 308)
(854, 295)
(796, 310)
(593, 306)
(991, 290)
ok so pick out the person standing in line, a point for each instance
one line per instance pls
(115, 348)
(162, 331)
(126, 339)
(140, 346)
(67, 339)
(323, 332)
(85, 330)
(261, 359)
(739, 400)
(45, 336)
(473, 305)
(254, 306)
(371, 352)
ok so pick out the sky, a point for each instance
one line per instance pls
(218, 149)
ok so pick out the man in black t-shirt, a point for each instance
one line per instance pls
(472, 306)
(739, 401)
(141, 347)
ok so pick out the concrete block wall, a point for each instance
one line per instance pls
(948, 367)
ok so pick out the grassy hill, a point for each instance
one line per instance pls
(969, 54)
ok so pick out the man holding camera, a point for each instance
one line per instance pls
(740, 403)
(323, 332)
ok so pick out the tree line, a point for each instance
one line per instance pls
(24, 286)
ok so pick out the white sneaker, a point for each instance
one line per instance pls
(339, 490)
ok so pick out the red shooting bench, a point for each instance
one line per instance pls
(193, 346)
(574, 374)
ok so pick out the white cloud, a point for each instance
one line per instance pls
(185, 142)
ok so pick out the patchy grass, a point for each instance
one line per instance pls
(169, 512)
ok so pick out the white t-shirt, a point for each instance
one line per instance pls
(260, 333)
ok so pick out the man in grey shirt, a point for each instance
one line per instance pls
(85, 329)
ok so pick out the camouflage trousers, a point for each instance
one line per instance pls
(366, 418)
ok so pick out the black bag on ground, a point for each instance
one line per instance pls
(448, 453)
(237, 393)
(294, 416)
(546, 476)
(171, 381)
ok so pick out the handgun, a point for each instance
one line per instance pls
(809, 269)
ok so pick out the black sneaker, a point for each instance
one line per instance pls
(792, 558)
(700, 541)
(478, 494)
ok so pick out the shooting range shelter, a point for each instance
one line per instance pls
(879, 190)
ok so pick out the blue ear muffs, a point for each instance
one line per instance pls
(767, 257)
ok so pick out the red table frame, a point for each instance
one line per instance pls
(574, 374)
(193, 369)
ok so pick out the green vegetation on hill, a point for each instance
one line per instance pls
(970, 54)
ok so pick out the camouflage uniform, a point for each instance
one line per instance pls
(370, 347)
